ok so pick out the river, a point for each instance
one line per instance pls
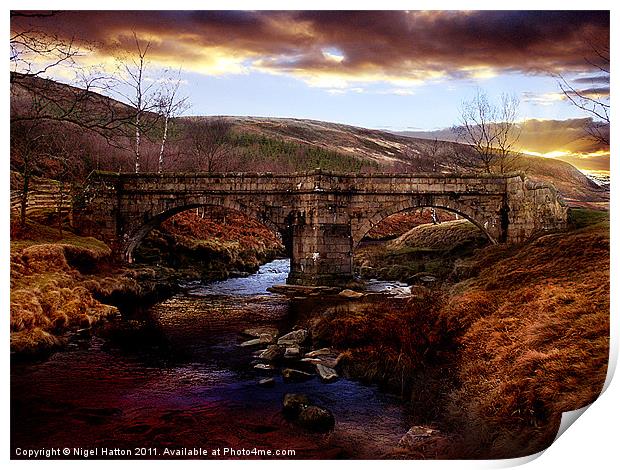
(174, 376)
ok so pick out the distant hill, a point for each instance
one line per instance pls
(287, 144)
(393, 152)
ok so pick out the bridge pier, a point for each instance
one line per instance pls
(322, 255)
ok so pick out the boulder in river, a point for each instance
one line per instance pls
(258, 331)
(293, 403)
(316, 418)
(350, 294)
(263, 339)
(291, 353)
(288, 289)
(268, 382)
(264, 367)
(272, 353)
(294, 338)
(318, 352)
(327, 374)
(292, 375)
(311, 360)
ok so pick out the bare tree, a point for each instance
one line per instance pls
(594, 101)
(142, 93)
(34, 53)
(27, 142)
(66, 156)
(433, 150)
(490, 129)
(209, 142)
(169, 105)
(507, 133)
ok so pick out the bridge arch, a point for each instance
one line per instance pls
(134, 235)
(490, 228)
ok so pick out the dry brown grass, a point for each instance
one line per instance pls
(533, 337)
(520, 343)
(48, 294)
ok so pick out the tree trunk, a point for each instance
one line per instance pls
(24, 201)
(137, 143)
(160, 165)
(60, 201)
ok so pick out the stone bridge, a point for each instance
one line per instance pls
(321, 216)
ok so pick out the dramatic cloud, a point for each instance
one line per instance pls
(569, 135)
(335, 49)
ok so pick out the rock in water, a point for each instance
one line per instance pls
(311, 360)
(319, 352)
(316, 419)
(293, 403)
(350, 294)
(261, 330)
(327, 373)
(264, 367)
(271, 353)
(294, 338)
(291, 353)
(263, 339)
(268, 382)
(295, 375)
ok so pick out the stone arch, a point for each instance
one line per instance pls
(136, 234)
(362, 229)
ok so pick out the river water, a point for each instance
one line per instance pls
(175, 377)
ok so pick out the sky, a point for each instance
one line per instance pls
(394, 70)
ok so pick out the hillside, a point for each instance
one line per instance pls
(392, 152)
(102, 141)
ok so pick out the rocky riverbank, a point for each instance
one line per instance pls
(61, 282)
(492, 358)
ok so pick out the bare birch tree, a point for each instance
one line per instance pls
(141, 95)
(169, 105)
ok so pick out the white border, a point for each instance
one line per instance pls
(592, 442)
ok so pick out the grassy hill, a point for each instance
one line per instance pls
(255, 144)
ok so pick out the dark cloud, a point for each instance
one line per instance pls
(593, 80)
(594, 93)
(384, 44)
